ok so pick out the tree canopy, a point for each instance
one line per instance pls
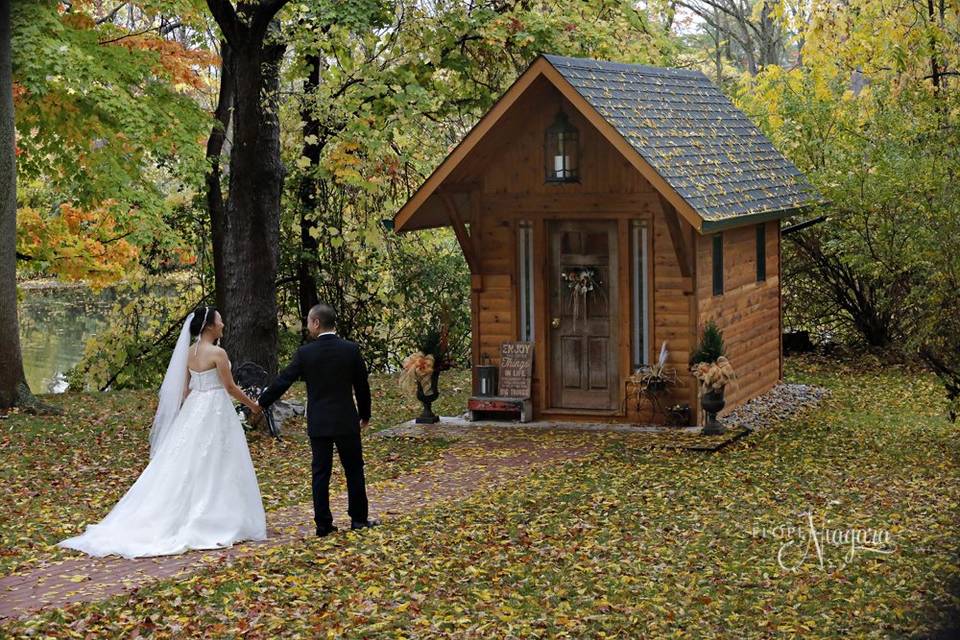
(122, 149)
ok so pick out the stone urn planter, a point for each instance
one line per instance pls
(427, 399)
(712, 403)
(713, 372)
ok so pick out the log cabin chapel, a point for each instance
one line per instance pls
(605, 208)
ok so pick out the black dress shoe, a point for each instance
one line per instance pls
(325, 531)
(363, 525)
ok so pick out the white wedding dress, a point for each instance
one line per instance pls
(199, 490)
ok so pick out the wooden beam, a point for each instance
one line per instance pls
(474, 336)
(469, 142)
(779, 237)
(476, 279)
(463, 236)
(694, 395)
(547, 203)
(679, 243)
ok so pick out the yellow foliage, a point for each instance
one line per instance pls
(78, 244)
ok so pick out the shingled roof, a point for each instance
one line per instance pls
(702, 154)
(705, 148)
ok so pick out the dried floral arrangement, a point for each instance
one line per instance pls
(714, 375)
(653, 375)
(432, 355)
(709, 364)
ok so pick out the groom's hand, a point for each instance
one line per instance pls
(364, 424)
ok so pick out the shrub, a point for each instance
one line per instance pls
(711, 345)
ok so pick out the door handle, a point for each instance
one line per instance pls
(555, 323)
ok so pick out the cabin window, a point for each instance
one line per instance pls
(639, 298)
(761, 252)
(525, 278)
(718, 264)
(561, 149)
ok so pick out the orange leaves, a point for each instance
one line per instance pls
(18, 92)
(180, 63)
(185, 256)
(79, 20)
(77, 243)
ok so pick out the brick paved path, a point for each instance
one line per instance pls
(471, 464)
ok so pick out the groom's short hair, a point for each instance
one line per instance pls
(324, 314)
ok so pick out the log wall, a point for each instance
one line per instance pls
(748, 311)
(500, 185)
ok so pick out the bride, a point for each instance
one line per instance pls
(199, 490)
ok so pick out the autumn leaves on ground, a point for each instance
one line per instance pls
(631, 540)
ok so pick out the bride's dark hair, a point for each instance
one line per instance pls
(202, 318)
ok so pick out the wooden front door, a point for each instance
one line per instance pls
(583, 325)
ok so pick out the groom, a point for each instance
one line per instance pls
(334, 371)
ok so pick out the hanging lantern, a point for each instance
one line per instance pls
(561, 151)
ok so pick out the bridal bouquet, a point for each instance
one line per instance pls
(252, 380)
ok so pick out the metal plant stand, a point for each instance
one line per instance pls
(652, 390)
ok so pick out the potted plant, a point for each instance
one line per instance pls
(710, 366)
(421, 370)
(678, 415)
(652, 380)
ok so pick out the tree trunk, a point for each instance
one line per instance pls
(13, 384)
(934, 65)
(247, 284)
(11, 373)
(215, 204)
(306, 282)
(252, 227)
(949, 376)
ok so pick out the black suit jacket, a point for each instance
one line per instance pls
(334, 370)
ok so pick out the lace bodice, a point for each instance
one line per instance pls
(205, 380)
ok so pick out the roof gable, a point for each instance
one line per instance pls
(674, 125)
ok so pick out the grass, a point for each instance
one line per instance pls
(60, 473)
(628, 542)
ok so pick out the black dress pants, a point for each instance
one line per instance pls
(351, 458)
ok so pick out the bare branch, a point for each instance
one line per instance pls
(110, 16)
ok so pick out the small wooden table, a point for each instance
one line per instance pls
(500, 404)
(516, 373)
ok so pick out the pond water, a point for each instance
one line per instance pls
(55, 323)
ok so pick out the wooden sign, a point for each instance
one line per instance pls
(516, 369)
